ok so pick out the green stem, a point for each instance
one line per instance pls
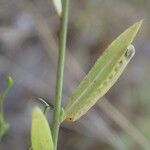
(60, 71)
(3, 124)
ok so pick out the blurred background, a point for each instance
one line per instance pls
(28, 52)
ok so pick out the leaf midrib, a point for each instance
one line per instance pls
(92, 82)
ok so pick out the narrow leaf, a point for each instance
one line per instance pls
(58, 6)
(41, 138)
(103, 74)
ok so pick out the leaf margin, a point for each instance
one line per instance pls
(130, 33)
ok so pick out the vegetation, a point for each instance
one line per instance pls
(97, 82)
(102, 76)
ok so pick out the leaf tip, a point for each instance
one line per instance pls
(36, 111)
(140, 22)
(138, 25)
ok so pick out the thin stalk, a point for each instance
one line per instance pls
(60, 71)
(3, 124)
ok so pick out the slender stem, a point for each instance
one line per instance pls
(60, 71)
(3, 124)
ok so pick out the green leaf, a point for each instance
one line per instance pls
(41, 138)
(103, 74)
(58, 6)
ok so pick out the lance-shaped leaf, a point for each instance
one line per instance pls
(103, 74)
(41, 138)
(58, 6)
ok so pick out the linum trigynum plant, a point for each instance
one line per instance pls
(96, 83)
(4, 126)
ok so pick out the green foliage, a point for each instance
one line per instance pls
(41, 138)
(97, 82)
(4, 126)
(103, 75)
